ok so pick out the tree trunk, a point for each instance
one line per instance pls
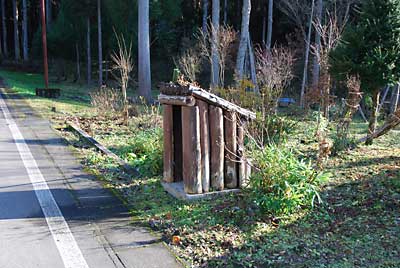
(205, 16)
(395, 98)
(214, 46)
(78, 63)
(244, 35)
(49, 12)
(100, 43)
(252, 62)
(225, 12)
(268, 43)
(316, 64)
(25, 30)
(264, 26)
(306, 58)
(4, 28)
(16, 31)
(374, 117)
(89, 54)
(144, 51)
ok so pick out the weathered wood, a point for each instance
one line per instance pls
(174, 89)
(168, 144)
(191, 150)
(217, 101)
(217, 147)
(230, 132)
(241, 161)
(177, 127)
(205, 145)
(177, 100)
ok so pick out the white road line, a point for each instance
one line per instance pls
(65, 241)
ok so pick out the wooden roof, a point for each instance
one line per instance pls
(173, 89)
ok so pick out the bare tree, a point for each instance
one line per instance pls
(226, 37)
(4, 28)
(144, 51)
(16, 31)
(25, 30)
(275, 72)
(244, 36)
(214, 44)
(189, 63)
(100, 43)
(123, 65)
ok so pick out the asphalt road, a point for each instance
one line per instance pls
(52, 214)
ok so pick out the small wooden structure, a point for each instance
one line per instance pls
(203, 140)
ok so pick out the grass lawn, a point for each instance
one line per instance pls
(358, 224)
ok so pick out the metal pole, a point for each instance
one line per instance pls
(44, 41)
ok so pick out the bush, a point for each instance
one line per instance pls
(283, 183)
(272, 129)
(145, 151)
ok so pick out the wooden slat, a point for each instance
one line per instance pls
(168, 144)
(217, 147)
(205, 145)
(230, 132)
(177, 100)
(241, 161)
(191, 150)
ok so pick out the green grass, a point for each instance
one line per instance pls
(74, 98)
(358, 225)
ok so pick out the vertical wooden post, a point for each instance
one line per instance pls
(205, 145)
(230, 124)
(191, 150)
(217, 147)
(241, 162)
(168, 144)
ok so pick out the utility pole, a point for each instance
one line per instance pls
(44, 42)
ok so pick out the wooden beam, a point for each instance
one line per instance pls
(217, 147)
(177, 129)
(177, 100)
(168, 144)
(191, 150)
(205, 145)
(217, 101)
(230, 131)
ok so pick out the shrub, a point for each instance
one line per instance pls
(107, 100)
(271, 129)
(283, 183)
(145, 151)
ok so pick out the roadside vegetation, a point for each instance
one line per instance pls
(353, 221)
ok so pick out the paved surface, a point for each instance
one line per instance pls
(52, 214)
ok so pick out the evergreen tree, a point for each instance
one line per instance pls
(371, 49)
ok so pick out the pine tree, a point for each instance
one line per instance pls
(371, 49)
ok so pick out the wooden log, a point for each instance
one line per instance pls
(191, 150)
(178, 152)
(230, 127)
(217, 147)
(205, 145)
(241, 161)
(177, 100)
(199, 93)
(168, 144)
